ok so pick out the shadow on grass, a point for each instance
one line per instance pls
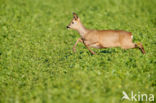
(106, 51)
(97, 52)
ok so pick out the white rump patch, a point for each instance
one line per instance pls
(131, 36)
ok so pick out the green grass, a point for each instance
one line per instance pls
(37, 64)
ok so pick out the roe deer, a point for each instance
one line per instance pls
(103, 38)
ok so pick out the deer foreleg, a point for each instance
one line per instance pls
(74, 47)
(88, 48)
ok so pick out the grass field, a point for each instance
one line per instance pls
(37, 64)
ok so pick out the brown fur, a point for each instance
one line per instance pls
(103, 38)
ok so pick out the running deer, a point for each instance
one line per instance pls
(102, 38)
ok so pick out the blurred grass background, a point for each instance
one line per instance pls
(37, 64)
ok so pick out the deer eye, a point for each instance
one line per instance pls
(72, 22)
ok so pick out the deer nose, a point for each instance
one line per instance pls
(68, 27)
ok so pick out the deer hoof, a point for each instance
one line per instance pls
(74, 50)
(93, 53)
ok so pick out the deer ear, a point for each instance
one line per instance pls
(75, 16)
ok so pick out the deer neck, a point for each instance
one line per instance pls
(82, 30)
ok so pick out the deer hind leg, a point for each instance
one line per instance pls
(134, 45)
(126, 42)
(140, 46)
(128, 46)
